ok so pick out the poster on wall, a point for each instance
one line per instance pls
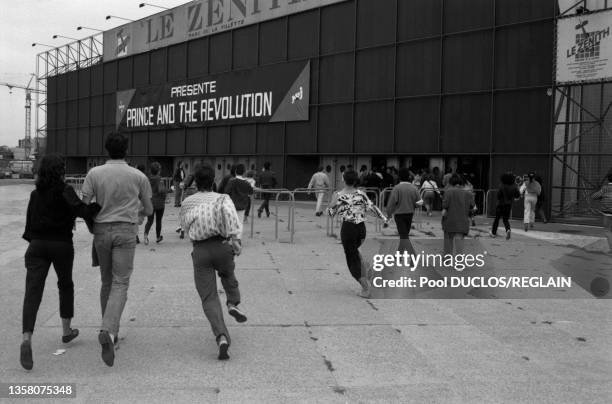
(197, 19)
(276, 93)
(584, 48)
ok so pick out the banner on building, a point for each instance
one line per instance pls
(276, 93)
(584, 48)
(197, 19)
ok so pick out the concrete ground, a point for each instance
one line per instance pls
(309, 337)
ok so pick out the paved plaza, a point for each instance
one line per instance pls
(309, 337)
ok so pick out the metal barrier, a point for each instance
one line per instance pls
(376, 192)
(418, 211)
(290, 214)
(251, 210)
(168, 182)
(487, 198)
(76, 183)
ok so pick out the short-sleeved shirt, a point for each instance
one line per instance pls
(118, 188)
(209, 214)
(353, 206)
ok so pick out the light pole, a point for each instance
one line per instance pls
(80, 27)
(65, 37)
(108, 17)
(43, 44)
(153, 5)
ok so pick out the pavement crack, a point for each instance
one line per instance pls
(328, 363)
(372, 305)
(339, 390)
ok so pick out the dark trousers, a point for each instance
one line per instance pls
(352, 236)
(209, 256)
(38, 258)
(265, 204)
(178, 193)
(404, 224)
(159, 214)
(502, 211)
(248, 209)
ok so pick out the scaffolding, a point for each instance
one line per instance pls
(581, 141)
(70, 57)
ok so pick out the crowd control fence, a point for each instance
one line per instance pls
(76, 183)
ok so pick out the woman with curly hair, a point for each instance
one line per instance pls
(51, 213)
(351, 205)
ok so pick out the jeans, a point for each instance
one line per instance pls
(453, 241)
(209, 256)
(404, 224)
(115, 245)
(503, 212)
(530, 205)
(177, 193)
(159, 215)
(38, 258)
(265, 204)
(247, 210)
(352, 236)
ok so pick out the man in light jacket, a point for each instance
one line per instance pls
(319, 181)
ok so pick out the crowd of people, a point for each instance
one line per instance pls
(117, 198)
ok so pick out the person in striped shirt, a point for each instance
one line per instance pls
(213, 226)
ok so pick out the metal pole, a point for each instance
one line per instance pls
(252, 216)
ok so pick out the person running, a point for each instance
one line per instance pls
(249, 177)
(267, 180)
(320, 182)
(605, 195)
(448, 173)
(508, 192)
(541, 200)
(51, 211)
(214, 227)
(351, 205)
(456, 206)
(429, 190)
(118, 188)
(226, 179)
(178, 178)
(403, 200)
(530, 189)
(469, 186)
(240, 191)
(159, 204)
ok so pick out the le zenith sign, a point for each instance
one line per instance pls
(205, 16)
(196, 19)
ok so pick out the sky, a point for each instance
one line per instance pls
(23, 22)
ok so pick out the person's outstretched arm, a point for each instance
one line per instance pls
(332, 209)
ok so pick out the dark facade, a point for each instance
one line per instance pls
(393, 82)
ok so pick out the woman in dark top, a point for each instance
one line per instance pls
(51, 212)
(507, 193)
(456, 207)
(159, 203)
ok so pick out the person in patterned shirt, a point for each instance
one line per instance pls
(213, 226)
(351, 205)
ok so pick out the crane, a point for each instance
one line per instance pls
(28, 111)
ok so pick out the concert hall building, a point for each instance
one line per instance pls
(465, 84)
